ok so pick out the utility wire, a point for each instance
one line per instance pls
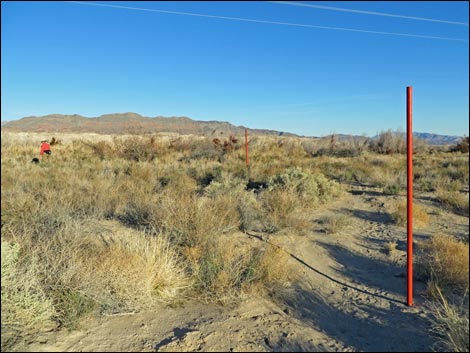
(268, 22)
(293, 3)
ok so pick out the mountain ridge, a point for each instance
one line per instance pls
(129, 122)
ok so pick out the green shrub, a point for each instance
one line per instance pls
(313, 189)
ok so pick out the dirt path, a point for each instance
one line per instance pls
(350, 297)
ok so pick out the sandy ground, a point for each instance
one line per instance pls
(350, 296)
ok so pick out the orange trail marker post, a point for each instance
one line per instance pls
(409, 154)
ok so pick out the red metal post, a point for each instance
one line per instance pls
(409, 155)
(246, 146)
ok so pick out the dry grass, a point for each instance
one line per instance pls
(420, 216)
(445, 262)
(225, 271)
(390, 247)
(335, 223)
(454, 200)
(26, 309)
(173, 201)
(450, 325)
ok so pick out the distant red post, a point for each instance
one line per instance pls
(246, 146)
(409, 154)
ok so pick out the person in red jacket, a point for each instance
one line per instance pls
(45, 148)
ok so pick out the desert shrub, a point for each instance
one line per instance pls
(283, 209)
(189, 219)
(225, 272)
(420, 216)
(274, 271)
(80, 273)
(392, 189)
(425, 183)
(313, 189)
(337, 152)
(461, 146)
(138, 211)
(136, 148)
(26, 309)
(289, 195)
(391, 142)
(443, 260)
(390, 247)
(225, 184)
(205, 148)
(251, 212)
(335, 223)
(136, 269)
(102, 149)
(455, 201)
(55, 142)
(388, 142)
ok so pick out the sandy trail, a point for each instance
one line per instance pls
(350, 297)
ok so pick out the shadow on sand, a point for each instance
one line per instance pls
(391, 327)
(375, 330)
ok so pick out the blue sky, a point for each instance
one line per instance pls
(70, 58)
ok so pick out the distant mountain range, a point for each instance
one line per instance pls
(132, 123)
(122, 123)
(434, 139)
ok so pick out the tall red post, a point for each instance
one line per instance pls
(409, 155)
(246, 146)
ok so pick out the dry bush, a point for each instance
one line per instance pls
(102, 149)
(80, 272)
(225, 184)
(443, 171)
(189, 219)
(133, 271)
(390, 247)
(388, 142)
(461, 146)
(351, 147)
(335, 223)
(220, 269)
(195, 148)
(137, 148)
(455, 201)
(444, 261)
(55, 142)
(311, 189)
(275, 272)
(26, 309)
(420, 216)
(224, 271)
(282, 209)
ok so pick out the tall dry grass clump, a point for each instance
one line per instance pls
(420, 216)
(79, 271)
(224, 270)
(26, 308)
(444, 261)
(450, 324)
(335, 223)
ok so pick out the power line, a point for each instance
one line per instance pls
(293, 3)
(268, 22)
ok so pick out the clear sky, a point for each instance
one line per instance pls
(71, 58)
